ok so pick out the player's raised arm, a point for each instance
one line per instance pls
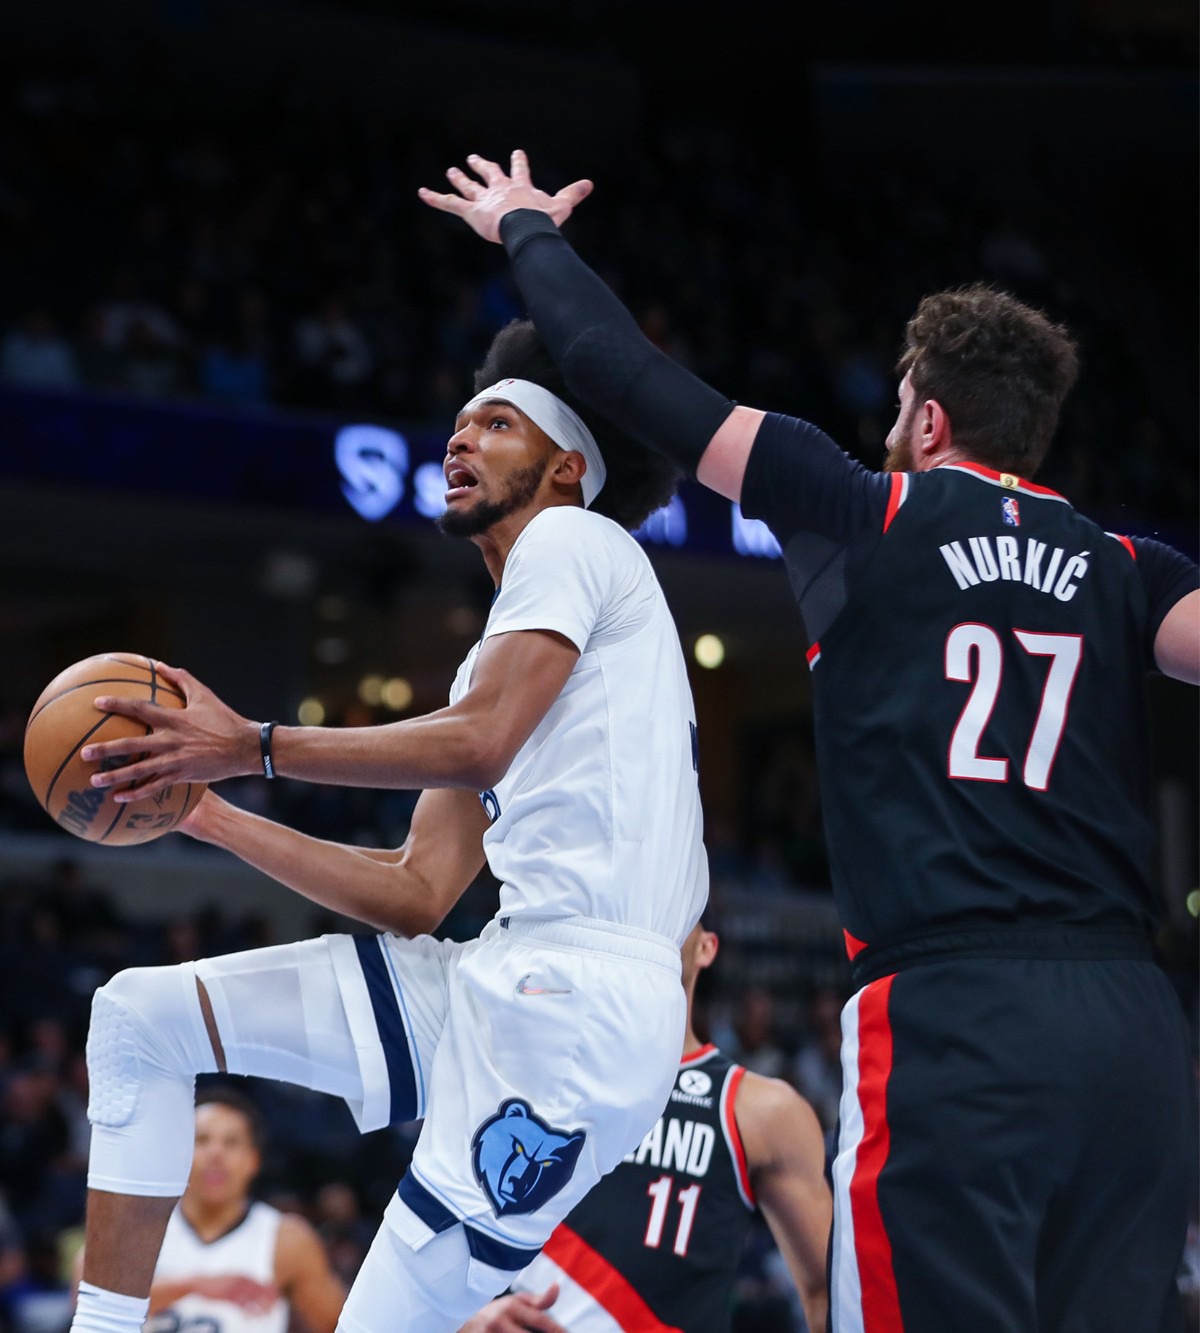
(604, 356)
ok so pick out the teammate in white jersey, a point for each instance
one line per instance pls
(537, 1055)
(230, 1264)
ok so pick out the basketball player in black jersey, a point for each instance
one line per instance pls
(656, 1244)
(1017, 1138)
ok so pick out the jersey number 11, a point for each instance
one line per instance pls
(660, 1195)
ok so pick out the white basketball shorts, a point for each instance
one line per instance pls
(537, 1056)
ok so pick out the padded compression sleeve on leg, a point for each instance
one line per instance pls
(146, 1044)
(603, 355)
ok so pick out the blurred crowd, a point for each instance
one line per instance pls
(281, 257)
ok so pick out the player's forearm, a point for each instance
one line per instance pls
(450, 748)
(366, 885)
(603, 355)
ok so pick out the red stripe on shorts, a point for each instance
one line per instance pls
(880, 1301)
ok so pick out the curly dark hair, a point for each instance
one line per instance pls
(1001, 370)
(639, 481)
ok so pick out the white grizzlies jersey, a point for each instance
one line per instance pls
(248, 1251)
(599, 814)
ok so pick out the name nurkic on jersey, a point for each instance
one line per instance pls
(987, 559)
(687, 1146)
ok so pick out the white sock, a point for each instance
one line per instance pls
(100, 1311)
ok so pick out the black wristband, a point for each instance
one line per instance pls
(264, 744)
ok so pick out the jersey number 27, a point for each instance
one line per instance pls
(975, 653)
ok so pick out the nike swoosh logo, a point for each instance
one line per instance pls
(524, 988)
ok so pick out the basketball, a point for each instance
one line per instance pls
(64, 719)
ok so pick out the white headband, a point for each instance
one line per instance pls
(560, 423)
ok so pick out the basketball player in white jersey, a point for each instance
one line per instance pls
(229, 1263)
(536, 1055)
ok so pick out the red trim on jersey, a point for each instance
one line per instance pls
(853, 946)
(602, 1282)
(813, 655)
(1024, 487)
(1126, 543)
(880, 1301)
(702, 1054)
(897, 498)
(733, 1135)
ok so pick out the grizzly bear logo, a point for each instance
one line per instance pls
(520, 1160)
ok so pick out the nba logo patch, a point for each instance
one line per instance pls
(1011, 511)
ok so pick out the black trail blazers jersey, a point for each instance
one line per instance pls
(990, 714)
(655, 1244)
(979, 653)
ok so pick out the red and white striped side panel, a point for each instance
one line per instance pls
(862, 1280)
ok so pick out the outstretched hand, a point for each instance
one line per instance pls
(481, 206)
(202, 742)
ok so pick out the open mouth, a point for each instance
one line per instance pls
(458, 482)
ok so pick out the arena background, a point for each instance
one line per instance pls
(231, 341)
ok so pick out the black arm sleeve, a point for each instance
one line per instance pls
(604, 357)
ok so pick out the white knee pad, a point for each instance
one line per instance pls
(146, 1044)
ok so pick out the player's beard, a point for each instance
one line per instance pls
(522, 487)
(899, 458)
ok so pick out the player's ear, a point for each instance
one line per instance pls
(934, 423)
(568, 468)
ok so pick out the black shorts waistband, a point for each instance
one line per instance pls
(952, 944)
